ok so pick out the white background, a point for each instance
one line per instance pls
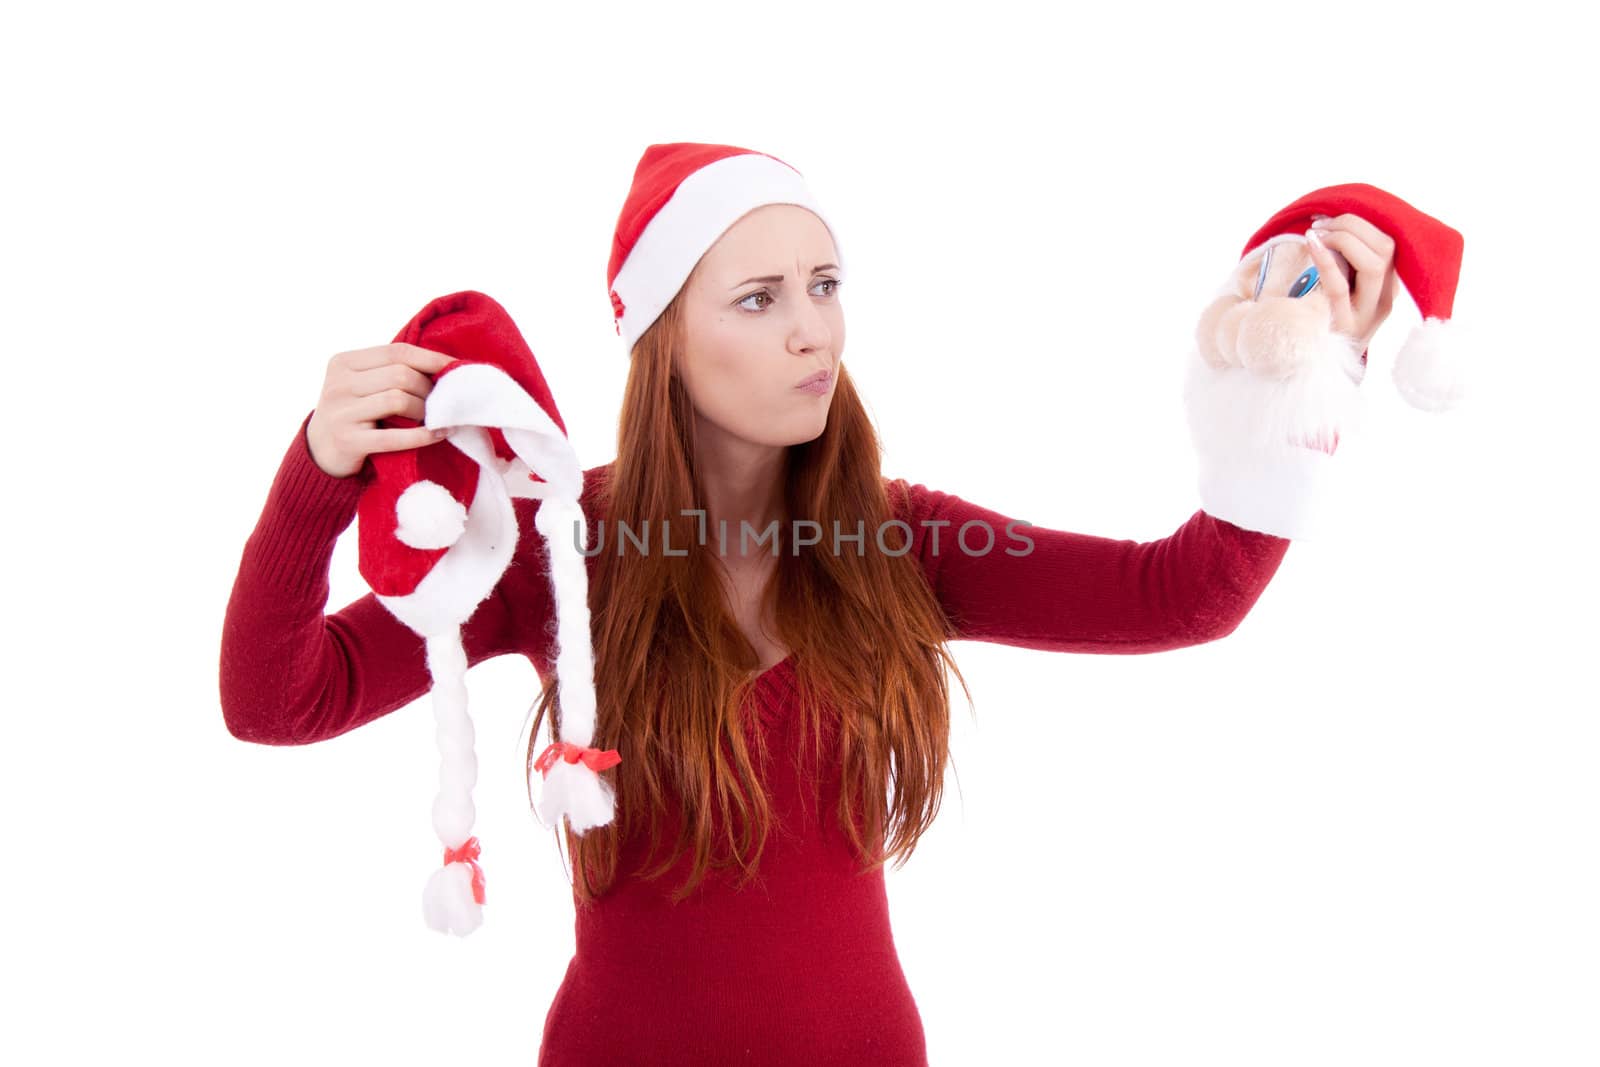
(1361, 829)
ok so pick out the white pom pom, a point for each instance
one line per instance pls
(1429, 369)
(579, 793)
(428, 516)
(448, 905)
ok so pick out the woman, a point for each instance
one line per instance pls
(781, 706)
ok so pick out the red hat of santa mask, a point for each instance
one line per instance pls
(1427, 259)
(437, 532)
(684, 196)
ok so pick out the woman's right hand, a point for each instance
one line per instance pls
(363, 386)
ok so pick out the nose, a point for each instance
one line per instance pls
(810, 331)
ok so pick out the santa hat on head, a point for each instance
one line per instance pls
(437, 532)
(1427, 258)
(684, 196)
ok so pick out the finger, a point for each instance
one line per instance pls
(1333, 278)
(1369, 234)
(1362, 256)
(1370, 268)
(395, 440)
(1386, 299)
(387, 403)
(390, 376)
(423, 359)
(364, 358)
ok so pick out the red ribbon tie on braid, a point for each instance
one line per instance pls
(595, 759)
(468, 854)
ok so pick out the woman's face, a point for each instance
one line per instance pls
(761, 313)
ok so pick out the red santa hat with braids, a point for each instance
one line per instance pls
(437, 528)
(437, 531)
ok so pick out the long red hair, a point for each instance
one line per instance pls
(868, 637)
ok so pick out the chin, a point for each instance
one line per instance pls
(781, 429)
(812, 430)
(784, 435)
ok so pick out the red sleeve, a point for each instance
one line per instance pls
(290, 675)
(1072, 592)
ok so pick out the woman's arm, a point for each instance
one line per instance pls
(1259, 486)
(1072, 592)
(289, 675)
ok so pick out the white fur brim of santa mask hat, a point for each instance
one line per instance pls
(437, 532)
(1266, 444)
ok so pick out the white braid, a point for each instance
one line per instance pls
(448, 905)
(564, 528)
(572, 789)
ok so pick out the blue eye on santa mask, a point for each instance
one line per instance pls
(1302, 285)
(1305, 283)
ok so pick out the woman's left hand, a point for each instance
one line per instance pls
(1370, 251)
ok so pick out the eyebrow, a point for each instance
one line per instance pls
(779, 277)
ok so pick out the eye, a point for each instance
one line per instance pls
(823, 280)
(1305, 283)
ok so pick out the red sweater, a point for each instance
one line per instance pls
(799, 967)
